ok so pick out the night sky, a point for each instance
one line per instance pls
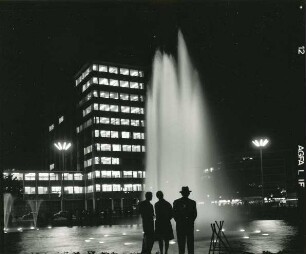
(245, 52)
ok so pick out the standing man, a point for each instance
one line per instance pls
(185, 213)
(147, 214)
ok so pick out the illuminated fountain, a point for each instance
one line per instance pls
(8, 204)
(35, 205)
(179, 145)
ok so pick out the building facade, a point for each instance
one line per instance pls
(111, 134)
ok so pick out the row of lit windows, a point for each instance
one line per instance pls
(47, 176)
(112, 82)
(110, 69)
(115, 134)
(113, 108)
(102, 160)
(119, 148)
(112, 95)
(116, 174)
(112, 121)
(114, 187)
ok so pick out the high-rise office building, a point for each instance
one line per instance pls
(111, 134)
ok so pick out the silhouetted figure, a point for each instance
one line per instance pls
(185, 213)
(163, 227)
(147, 214)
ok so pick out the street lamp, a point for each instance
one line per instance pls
(261, 143)
(62, 147)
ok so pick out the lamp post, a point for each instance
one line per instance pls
(62, 147)
(261, 143)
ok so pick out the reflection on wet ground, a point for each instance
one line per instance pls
(254, 236)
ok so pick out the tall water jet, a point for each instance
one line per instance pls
(34, 205)
(8, 204)
(178, 134)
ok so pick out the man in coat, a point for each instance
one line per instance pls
(185, 213)
(147, 214)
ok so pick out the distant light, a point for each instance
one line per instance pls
(301, 7)
(242, 230)
(198, 230)
(128, 243)
(49, 227)
(223, 229)
(37, 229)
(261, 142)
(246, 237)
(32, 228)
(91, 238)
(172, 242)
(62, 146)
(5, 232)
(123, 233)
(257, 231)
(101, 242)
(87, 241)
(106, 235)
(265, 234)
(19, 229)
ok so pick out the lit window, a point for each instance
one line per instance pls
(134, 97)
(106, 187)
(105, 134)
(78, 189)
(95, 80)
(97, 160)
(139, 174)
(96, 133)
(115, 161)
(116, 187)
(106, 174)
(113, 70)
(96, 106)
(88, 163)
(78, 129)
(137, 187)
(141, 74)
(143, 148)
(126, 148)
(98, 187)
(29, 177)
(88, 149)
(105, 147)
(125, 109)
(128, 174)
(127, 187)
(43, 176)
(78, 176)
(97, 173)
(56, 189)
(135, 110)
(124, 71)
(104, 94)
(18, 176)
(95, 94)
(113, 95)
(125, 122)
(104, 107)
(124, 83)
(144, 174)
(125, 134)
(103, 81)
(89, 176)
(90, 189)
(136, 135)
(114, 134)
(42, 190)
(29, 190)
(106, 160)
(135, 122)
(51, 166)
(104, 120)
(68, 177)
(134, 73)
(134, 85)
(113, 82)
(68, 189)
(141, 97)
(116, 174)
(116, 148)
(142, 123)
(134, 174)
(103, 68)
(141, 86)
(51, 127)
(54, 177)
(136, 148)
(114, 108)
(94, 67)
(124, 96)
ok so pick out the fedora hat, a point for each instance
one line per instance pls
(185, 189)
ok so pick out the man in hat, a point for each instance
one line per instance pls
(185, 213)
(146, 211)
